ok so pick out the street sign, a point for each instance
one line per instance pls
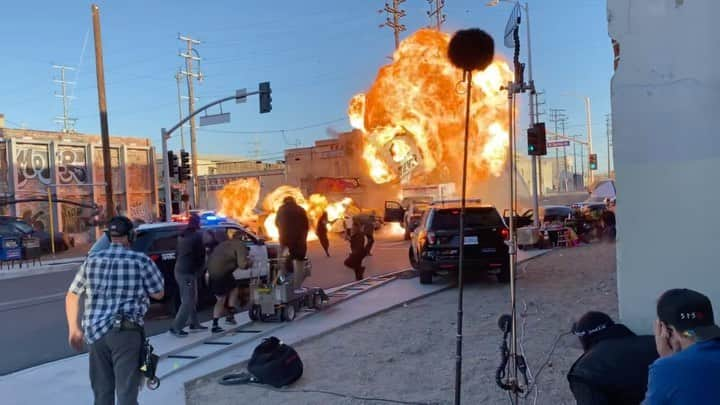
(214, 119)
(558, 144)
(240, 96)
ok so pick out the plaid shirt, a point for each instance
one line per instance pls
(115, 280)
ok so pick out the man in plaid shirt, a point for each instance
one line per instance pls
(117, 283)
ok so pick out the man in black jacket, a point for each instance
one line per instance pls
(293, 226)
(189, 263)
(614, 368)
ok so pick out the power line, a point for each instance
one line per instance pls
(275, 131)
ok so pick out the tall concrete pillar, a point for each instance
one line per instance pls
(665, 104)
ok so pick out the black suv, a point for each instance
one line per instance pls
(436, 240)
(159, 241)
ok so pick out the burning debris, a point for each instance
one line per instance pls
(413, 115)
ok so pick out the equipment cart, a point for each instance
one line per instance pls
(280, 296)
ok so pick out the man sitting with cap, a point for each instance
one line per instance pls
(688, 341)
(614, 366)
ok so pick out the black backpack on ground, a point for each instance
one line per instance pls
(275, 363)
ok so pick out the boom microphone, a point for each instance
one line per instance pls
(471, 49)
(504, 322)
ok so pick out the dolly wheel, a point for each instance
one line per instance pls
(153, 383)
(254, 313)
(316, 301)
(288, 313)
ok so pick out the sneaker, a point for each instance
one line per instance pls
(217, 329)
(198, 328)
(230, 320)
(178, 333)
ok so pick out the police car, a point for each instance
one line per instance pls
(159, 242)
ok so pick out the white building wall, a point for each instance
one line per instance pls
(665, 106)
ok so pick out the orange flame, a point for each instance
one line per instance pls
(414, 114)
(314, 205)
(238, 199)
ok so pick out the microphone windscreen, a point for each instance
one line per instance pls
(471, 49)
(504, 322)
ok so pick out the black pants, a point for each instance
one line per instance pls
(324, 242)
(187, 288)
(115, 367)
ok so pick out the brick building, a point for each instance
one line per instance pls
(70, 165)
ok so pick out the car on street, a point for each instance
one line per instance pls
(21, 229)
(435, 242)
(555, 213)
(159, 242)
(408, 213)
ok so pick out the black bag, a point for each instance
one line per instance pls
(275, 363)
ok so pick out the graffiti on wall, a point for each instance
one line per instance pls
(32, 166)
(71, 165)
(140, 207)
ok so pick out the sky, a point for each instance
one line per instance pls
(316, 54)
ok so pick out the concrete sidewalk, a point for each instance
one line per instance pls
(66, 381)
(47, 266)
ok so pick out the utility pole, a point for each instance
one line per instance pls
(582, 164)
(68, 124)
(557, 115)
(565, 174)
(537, 105)
(393, 19)
(436, 13)
(178, 79)
(102, 104)
(574, 164)
(588, 123)
(191, 55)
(608, 134)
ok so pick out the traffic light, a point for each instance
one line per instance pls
(537, 145)
(593, 161)
(265, 92)
(184, 169)
(172, 164)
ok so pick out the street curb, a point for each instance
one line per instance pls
(36, 271)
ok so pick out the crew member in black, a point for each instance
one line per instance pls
(293, 226)
(614, 366)
(189, 264)
(322, 233)
(357, 251)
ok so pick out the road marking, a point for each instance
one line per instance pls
(26, 302)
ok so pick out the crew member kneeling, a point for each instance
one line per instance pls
(614, 367)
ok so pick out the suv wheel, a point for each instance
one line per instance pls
(411, 257)
(504, 275)
(426, 277)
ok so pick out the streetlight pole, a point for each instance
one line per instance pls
(588, 122)
(166, 134)
(531, 106)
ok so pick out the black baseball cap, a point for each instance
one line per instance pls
(591, 323)
(120, 226)
(689, 311)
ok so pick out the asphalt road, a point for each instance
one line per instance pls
(32, 309)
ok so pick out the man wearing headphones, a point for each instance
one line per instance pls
(116, 283)
(614, 366)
